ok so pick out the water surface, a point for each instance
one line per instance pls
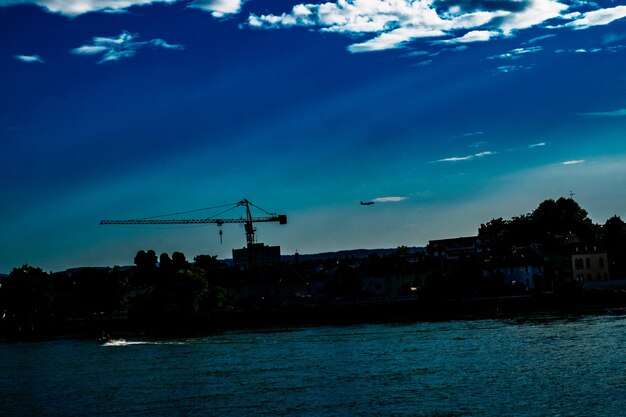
(536, 366)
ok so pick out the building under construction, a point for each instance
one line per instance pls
(256, 254)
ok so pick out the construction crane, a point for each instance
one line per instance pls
(247, 221)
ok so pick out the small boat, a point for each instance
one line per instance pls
(104, 339)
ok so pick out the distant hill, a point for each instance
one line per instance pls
(350, 253)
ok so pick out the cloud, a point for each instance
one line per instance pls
(218, 8)
(511, 68)
(385, 24)
(540, 38)
(517, 53)
(74, 8)
(392, 22)
(389, 199)
(29, 58)
(477, 133)
(573, 162)
(473, 36)
(598, 17)
(614, 113)
(535, 13)
(395, 23)
(424, 63)
(612, 48)
(467, 157)
(394, 39)
(124, 46)
(456, 158)
(537, 145)
(481, 154)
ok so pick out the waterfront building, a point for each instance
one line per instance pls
(517, 268)
(457, 248)
(590, 266)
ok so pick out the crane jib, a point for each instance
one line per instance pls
(281, 219)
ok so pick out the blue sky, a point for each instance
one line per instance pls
(447, 114)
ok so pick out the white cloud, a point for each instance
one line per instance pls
(218, 8)
(535, 13)
(395, 23)
(456, 158)
(385, 24)
(89, 50)
(481, 154)
(517, 53)
(511, 68)
(581, 51)
(29, 58)
(394, 39)
(573, 162)
(614, 113)
(473, 36)
(124, 46)
(598, 17)
(540, 38)
(77, 7)
(467, 157)
(389, 199)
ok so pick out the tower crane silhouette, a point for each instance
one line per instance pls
(248, 221)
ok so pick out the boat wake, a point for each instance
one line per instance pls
(124, 342)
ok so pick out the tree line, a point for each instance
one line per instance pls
(175, 293)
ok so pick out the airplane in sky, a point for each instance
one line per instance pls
(367, 203)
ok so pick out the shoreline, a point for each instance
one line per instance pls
(337, 314)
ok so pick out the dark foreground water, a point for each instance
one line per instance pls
(536, 366)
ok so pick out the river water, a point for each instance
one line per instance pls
(533, 366)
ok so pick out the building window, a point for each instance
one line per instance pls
(601, 262)
(578, 263)
(588, 263)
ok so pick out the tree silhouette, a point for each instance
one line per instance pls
(26, 297)
(614, 240)
(179, 261)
